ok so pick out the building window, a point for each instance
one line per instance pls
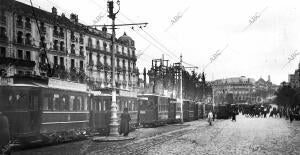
(62, 61)
(55, 60)
(27, 23)
(20, 72)
(55, 46)
(61, 33)
(81, 51)
(2, 32)
(20, 37)
(20, 54)
(81, 65)
(27, 40)
(2, 17)
(2, 52)
(72, 63)
(62, 46)
(73, 49)
(28, 55)
(19, 21)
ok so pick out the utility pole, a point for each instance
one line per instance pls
(112, 15)
(181, 100)
(114, 118)
(181, 89)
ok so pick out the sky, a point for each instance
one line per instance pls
(223, 38)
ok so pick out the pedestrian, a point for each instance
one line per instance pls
(233, 115)
(125, 119)
(210, 117)
(4, 135)
(291, 116)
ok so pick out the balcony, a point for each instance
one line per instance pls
(55, 34)
(73, 52)
(42, 45)
(20, 40)
(99, 65)
(73, 38)
(43, 29)
(3, 38)
(16, 62)
(61, 35)
(28, 42)
(3, 20)
(81, 40)
(43, 66)
(81, 53)
(20, 24)
(55, 47)
(62, 48)
(28, 26)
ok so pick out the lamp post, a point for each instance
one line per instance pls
(114, 118)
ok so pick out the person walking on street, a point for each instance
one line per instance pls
(125, 119)
(4, 135)
(210, 117)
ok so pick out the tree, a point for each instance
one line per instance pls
(285, 95)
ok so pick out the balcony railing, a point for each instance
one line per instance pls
(3, 38)
(55, 47)
(55, 34)
(17, 62)
(62, 35)
(28, 42)
(73, 38)
(3, 20)
(19, 24)
(43, 29)
(20, 40)
(28, 26)
(81, 40)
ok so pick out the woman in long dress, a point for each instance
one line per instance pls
(125, 119)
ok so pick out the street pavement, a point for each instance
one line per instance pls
(245, 136)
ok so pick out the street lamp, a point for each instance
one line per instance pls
(114, 118)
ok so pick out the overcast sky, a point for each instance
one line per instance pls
(215, 35)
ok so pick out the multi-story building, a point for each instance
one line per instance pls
(294, 79)
(48, 44)
(240, 87)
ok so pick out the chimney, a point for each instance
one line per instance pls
(54, 10)
(74, 18)
(104, 29)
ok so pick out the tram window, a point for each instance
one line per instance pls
(81, 103)
(104, 105)
(85, 103)
(132, 107)
(100, 105)
(71, 103)
(55, 101)
(76, 104)
(45, 103)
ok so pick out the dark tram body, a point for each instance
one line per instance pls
(155, 110)
(40, 114)
(100, 111)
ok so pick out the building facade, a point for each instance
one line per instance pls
(241, 89)
(55, 46)
(294, 79)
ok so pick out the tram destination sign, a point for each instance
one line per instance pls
(54, 83)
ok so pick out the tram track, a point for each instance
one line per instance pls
(142, 145)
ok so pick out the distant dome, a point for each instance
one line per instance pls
(126, 40)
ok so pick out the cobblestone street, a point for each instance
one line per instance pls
(246, 136)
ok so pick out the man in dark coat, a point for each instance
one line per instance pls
(125, 118)
(4, 134)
